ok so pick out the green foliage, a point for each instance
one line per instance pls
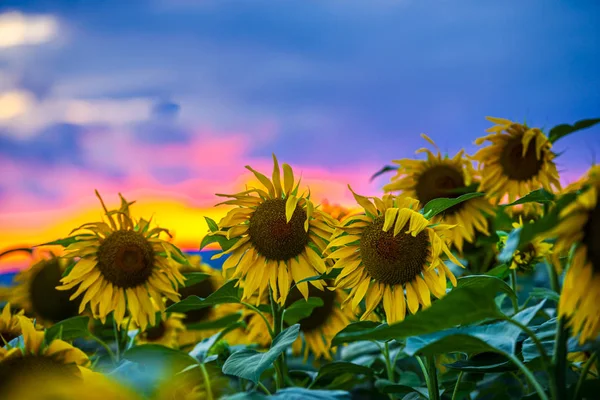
(563, 130)
(212, 225)
(226, 294)
(192, 278)
(300, 310)
(68, 329)
(537, 196)
(250, 364)
(438, 206)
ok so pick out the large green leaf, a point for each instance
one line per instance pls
(563, 130)
(337, 368)
(297, 393)
(69, 329)
(546, 334)
(437, 206)
(250, 364)
(191, 278)
(212, 225)
(165, 358)
(217, 323)
(498, 337)
(226, 294)
(387, 387)
(225, 243)
(537, 196)
(472, 301)
(483, 363)
(301, 309)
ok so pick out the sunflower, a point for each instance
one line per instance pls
(10, 326)
(35, 361)
(337, 211)
(579, 229)
(203, 316)
(123, 265)
(436, 177)
(35, 291)
(381, 264)
(581, 357)
(280, 236)
(535, 251)
(318, 329)
(518, 161)
(166, 331)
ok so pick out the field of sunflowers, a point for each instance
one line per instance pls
(470, 277)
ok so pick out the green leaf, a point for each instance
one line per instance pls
(546, 333)
(250, 364)
(437, 206)
(337, 368)
(226, 294)
(212, 225)
(191, 278)
(225, 243)
(62, 242)
(563, 130)
(484, 363)
(301, 309)
(544, 293)
(474, 298)
(382, 171)
(387, 387)
(297, 393)
(537, 196)
(500, 337)
(501, 271)
(217, 323)
(69, 329)
(165, 358)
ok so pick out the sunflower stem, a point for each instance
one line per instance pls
(277, 324)
(209, 394)
(513, 284)
(586, 368)
(256, 310)
(546, 362)
(388, 362)
(434, 393)
(118, 339)
(455, 392)
(559, 360)
(528, 374)
(554, 285)
(105, 346)
(263, 388)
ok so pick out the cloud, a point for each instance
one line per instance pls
(17, 29)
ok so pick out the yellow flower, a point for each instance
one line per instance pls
(518, 161)
(581, 357)
(122, 266)
(36, 361)
(579, 229)
(391, 255)
(532, 254)
(10, 327)
(36, 293)
(281, 236)
(166, 332)
(318, 329)
(438, 177)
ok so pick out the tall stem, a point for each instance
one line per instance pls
(588, 364)
(528, 374)
(513, 284)
(559, 360)
(117, 340)
(277, 324)
(455, 392)
(388, 362)
(209, 394)
(434, 393)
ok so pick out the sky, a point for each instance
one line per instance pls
(166, 101)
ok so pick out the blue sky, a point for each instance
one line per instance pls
(334, 84)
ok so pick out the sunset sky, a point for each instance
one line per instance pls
(166, 101)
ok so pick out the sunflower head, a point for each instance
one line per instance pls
(37, 360)
(443, 177)
(165, 332)
(279, 236)
(533, 253)
(123, 265)
(391, 255)
(518, 161)
(578, 232)
(36, 291)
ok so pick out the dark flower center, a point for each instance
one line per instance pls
(319, 315)
(516, 166)
(155, 332)
(272, 236)
(591, 237)
(126, 259)
(47, 302)
(440, 181)
(7, 336)
(390, 259)
(202, 289)
(19, 371)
